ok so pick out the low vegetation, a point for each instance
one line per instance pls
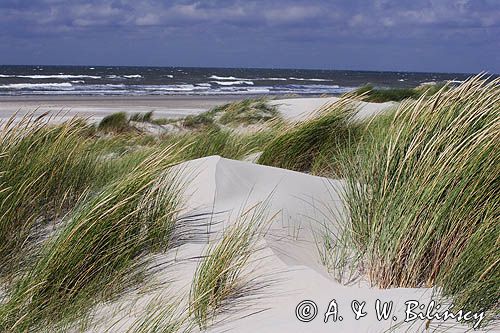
(45, 170)
(246, 112)
(380, 95)
(310, 144)
(95, 254)
(220, 278)
(115, 123)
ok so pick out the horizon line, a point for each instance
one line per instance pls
(271, 68)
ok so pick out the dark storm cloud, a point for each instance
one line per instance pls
(419, 35)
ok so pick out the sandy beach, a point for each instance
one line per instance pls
(95, 107)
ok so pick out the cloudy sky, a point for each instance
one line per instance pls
(412, 35)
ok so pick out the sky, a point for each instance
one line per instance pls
(398, 35)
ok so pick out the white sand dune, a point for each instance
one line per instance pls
(296, 109)
(287, 261)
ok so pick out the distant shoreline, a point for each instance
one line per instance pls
(97, 107)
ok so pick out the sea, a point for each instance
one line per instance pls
(144, 81)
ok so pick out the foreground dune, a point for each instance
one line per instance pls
(284, 270)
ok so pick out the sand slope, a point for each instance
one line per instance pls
(287, 262)
(295, 109)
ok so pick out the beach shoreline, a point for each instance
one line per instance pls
(97, 107)
(94, 108)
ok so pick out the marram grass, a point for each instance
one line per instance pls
(220, 277)
(303, 146)
(95, 254)
(423, 196)
(45, 169)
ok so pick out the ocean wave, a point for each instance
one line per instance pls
(215, 77)
(133, 76)
(174, 87)
(270, 79)
(219, 88)
(312, 80)
(57, 76)
(232, 83)
(35, 86)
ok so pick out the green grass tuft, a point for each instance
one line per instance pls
(247, 112)
(45, 170)
(142, 117)
(219, 277)
(96, 253)
(298, 146)
(115, 123)
(371, 94)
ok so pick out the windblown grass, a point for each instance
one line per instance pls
(423, 196)
(95, 255)
(220, 278)
(371, 94)
(248, 111)
(298, 146)
(44, 171)
(163, 317)
(217, 141)
(142, 117)
(245, 112)
(115, 123)
(201, 120)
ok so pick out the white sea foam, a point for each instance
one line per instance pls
(58, 76)
(270, 79)
(215, 77)
(134, 76)
(232, 83)
(170, 76)
(303, 79)
(38, 86)
(174, 87)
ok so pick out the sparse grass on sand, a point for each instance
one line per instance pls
(220, 279)
(422, 196)
(163, 317)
